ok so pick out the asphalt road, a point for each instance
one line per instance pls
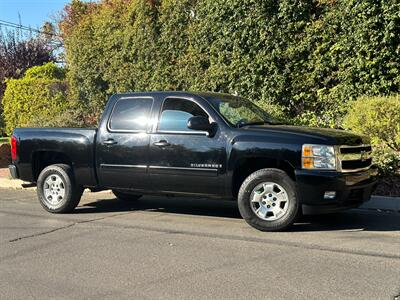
(170, 248)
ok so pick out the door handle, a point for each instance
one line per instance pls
(162, 143)
(109, 142)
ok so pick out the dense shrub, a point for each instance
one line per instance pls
(37, 99)
(18, 52)
(306, 56)
(379, 119)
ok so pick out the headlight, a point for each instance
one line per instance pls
(318, 157)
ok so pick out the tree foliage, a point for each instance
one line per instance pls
(307, 57)
(37, 99)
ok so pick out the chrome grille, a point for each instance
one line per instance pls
(354, 158)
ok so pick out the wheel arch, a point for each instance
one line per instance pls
(43, 159)
(248, 165)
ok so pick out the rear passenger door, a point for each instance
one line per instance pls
(183, 160)
(123, 142)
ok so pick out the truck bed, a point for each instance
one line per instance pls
(73, 145)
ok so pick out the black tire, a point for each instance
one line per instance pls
(72, 192)
(244, 202)
(126, 196)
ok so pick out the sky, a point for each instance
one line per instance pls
(32, 12)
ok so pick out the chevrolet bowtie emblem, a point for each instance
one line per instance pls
(364, 156)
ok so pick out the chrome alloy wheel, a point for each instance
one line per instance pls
(269, 201)
(53, 190)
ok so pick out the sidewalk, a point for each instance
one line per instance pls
(382, 203)
(4, 173)
(7, 182)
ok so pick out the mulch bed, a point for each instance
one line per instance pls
(5, 155)
(388, 186)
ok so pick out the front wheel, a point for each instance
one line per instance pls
(57, 190)
(267, 200)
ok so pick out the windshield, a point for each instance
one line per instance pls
(240, 112)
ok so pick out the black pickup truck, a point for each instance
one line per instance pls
(198, 144)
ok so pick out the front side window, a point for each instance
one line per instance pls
(176, 113)
(131, 114)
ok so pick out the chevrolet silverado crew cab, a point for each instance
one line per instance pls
(198, 144)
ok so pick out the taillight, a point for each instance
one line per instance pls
(13, 148)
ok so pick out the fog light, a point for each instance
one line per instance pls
(330, 195)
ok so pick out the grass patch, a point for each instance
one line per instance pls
(4, 140)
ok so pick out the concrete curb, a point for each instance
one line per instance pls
(382, 203)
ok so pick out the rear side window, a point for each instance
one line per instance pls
(176, 113)
(131, 114)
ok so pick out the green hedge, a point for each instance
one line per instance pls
(305, 57)
(37, 99)
(379, 119)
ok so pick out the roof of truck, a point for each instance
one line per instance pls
(176, 93)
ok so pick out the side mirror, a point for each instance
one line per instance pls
(199, 123)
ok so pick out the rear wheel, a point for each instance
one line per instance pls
(267, 200)
(57, 190)
(126, 196)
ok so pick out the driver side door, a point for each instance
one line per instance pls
(182, 160)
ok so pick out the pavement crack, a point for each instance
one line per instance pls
(42, 233)
(66, 227)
